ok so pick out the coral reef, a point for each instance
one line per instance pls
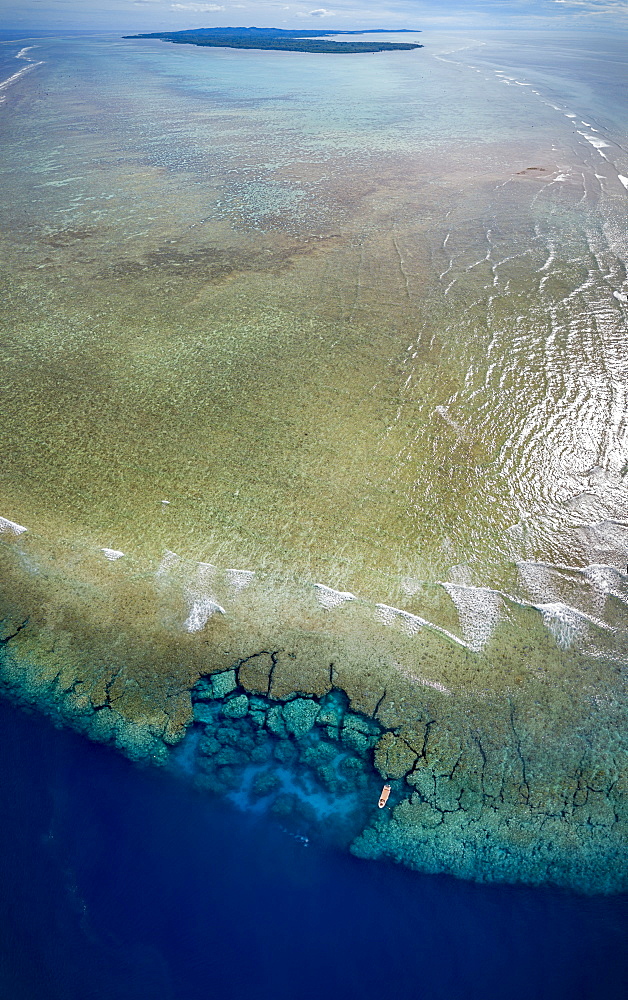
(283, 757)
(502, 787)
(498, 809)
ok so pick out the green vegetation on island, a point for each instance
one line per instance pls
(277, 38)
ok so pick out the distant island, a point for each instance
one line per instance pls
(282, 39)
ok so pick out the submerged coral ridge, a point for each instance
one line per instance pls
(306, 759)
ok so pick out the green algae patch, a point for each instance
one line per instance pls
(300, 715)
(223, 683)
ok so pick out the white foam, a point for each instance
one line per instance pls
(170, 559)
(331, 598)
(545, 581)
(433, 684)
(388, 615)
(620, 296)
(5, 84)
(205, 572)
(595, 142)
(419, 679)
(538, 580)
(479, 612)
(566, 623)
(461, 573)
(564, 627)
(604, 578)
(239, 578)
(10, 527)
(412, 624)
(112, 554)
(623, 180)
(605, 541)
(200, 613)
(444, 413)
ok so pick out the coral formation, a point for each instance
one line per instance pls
(280, 757)
(508, 787)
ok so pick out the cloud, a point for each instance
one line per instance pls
(597, 6)
(154, 15)
(197, 8)
(319, 12)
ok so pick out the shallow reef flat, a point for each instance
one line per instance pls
(313, 466)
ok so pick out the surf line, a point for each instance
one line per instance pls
(31, 64)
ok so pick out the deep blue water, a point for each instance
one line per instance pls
(120, 882)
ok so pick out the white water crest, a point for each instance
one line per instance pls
(10, 527)
(566, 624)
(412, 624)
(112, 554)
(168, 562)
(240, 579)
(200, 613)
(331, 598)
(479, 612)
(32, 64)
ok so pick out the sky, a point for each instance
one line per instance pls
(160, 15)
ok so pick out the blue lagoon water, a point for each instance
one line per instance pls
(119, 882)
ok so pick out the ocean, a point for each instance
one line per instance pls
(313, 476)
(119, 881)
